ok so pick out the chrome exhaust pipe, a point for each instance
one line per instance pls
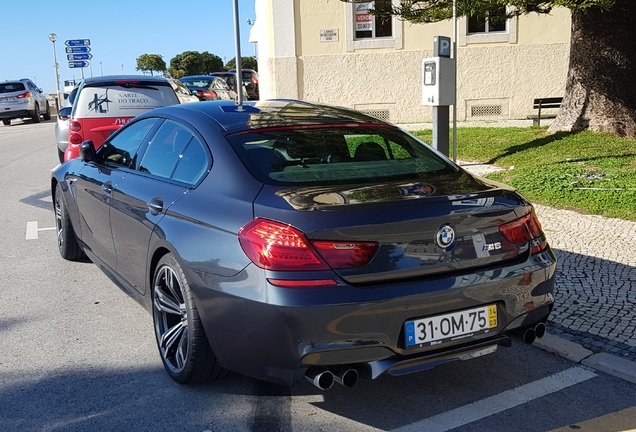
(321, 378)
(529, 336)
(346, 377)
(539, 330)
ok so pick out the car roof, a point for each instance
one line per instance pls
(275, 113)
(109, 79)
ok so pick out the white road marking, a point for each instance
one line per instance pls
(32, 230)
(495, 404)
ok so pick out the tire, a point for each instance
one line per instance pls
(36, 114)
(47, 113)
(60, 155)
(67, 242)
(181, 339)
(6, 122)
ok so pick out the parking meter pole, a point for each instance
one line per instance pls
(438, 90)
(440, 129)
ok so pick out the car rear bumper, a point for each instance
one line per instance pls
(280, 342)
(15, 114)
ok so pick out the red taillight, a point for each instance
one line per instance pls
(23, 95)
(75, 139)
(523, 230)
(276, 246)
(74, 126)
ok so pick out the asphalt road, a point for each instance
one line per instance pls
(76, 354)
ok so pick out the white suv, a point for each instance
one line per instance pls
(20, 99)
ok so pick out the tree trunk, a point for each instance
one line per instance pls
(600, 92)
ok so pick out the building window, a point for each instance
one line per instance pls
(364, 30)
(369, 26)
(488, 24)
(493, 29)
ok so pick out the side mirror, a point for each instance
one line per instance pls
(87, 151)
(65, 113)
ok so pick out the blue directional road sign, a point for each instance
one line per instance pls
(78, 49)
(78, 64)
(77, 42)
(79, 56)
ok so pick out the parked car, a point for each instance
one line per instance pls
(208, 87)
(230, 80)
(104, 104)
(22, 99)
(61, 124)
(285, 240)
(184, 94)
(250, 79)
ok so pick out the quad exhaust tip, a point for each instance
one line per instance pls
(532, 333)
(324, 378)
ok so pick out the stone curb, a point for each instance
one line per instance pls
(607, 363)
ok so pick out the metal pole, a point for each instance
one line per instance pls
(237, 39)
(455, 90)
(53, 38)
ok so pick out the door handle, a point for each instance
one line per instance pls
(107, 187)
(155, 205)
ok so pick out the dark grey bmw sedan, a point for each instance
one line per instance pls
(286, 240)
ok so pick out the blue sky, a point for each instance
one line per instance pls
(119, 31)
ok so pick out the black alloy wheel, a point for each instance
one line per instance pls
(47, 113)
(181, 339)
(67, 242)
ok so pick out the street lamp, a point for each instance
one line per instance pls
(53, 38)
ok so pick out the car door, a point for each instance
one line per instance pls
(143, 198)
(95, 184)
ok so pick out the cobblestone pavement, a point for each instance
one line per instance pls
(595, 287)
(596, 280)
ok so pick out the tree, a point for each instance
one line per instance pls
(151, 62)
(246, 63)
(195, 63)
(600, 91)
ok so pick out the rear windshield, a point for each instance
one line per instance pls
(197, 83)
(126, 100)
(336, 155)
(11, 87)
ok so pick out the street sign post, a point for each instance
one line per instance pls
(79, 56)
(77, 42)
(78, 64)
(78, 49)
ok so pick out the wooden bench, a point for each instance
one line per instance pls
(543, 103)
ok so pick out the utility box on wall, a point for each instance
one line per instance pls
(438, 81)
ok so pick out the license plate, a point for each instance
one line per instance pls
(6, 99)
(457, 325)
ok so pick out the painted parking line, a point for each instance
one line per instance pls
(32, 230)
(503, 401)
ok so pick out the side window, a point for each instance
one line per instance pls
(193, 163)
(165, 149)
(122, 148)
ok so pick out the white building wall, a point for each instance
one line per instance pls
(495, 80)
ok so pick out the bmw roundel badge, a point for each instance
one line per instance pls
(445, 236)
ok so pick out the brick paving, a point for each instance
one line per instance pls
(595, 287)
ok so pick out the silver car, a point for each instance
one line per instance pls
(22, 99)
(61, 125)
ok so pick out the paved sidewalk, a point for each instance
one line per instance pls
(594, 319)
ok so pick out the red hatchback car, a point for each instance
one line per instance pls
(104, 104)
